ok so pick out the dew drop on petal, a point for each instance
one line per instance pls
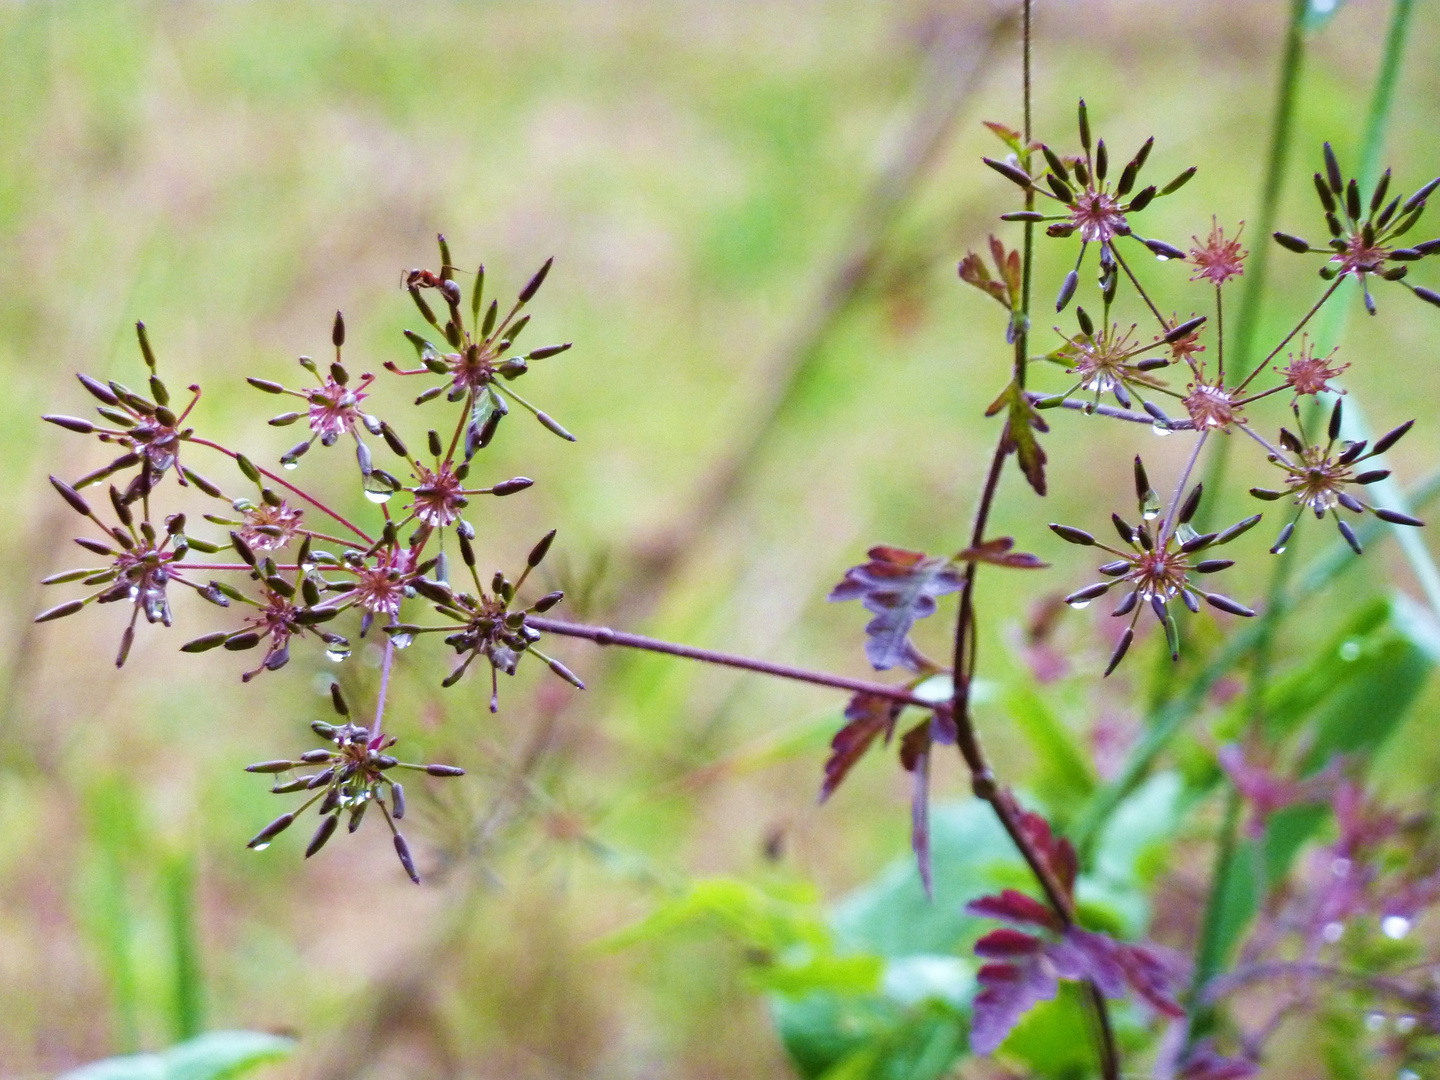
(1078, 605)
(1395, 927)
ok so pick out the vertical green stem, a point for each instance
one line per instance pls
(188, 989)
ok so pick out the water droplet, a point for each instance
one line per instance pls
(1166, 258)
(1151, 509)
(1405, 1024)
(290, 463)
(1161, 430)
(379, 498)
(1395, 927)
(1333, 932)
(1278, 549)
(1340, 867)
(1407, 1074)
(1185, 533)
(337, 653)
(1350, 650)
(1374, 1021)
(1078, 605)
(402, 641)
(260, 847)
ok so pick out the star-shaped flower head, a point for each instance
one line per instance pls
(1319, 477)
(1363, 236)
(1094, 208)
(1157, 569)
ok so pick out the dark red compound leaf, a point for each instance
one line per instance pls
(868, 717)
(1007, 944)
(1008, 992)
(915, 757)
(1057, 852)
(998, 553)
(1015, 907)
(1205, 1064)
(899, 586)
(1030, 970)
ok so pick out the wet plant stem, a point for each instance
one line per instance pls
(385, 666)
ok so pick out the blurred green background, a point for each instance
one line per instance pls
(704, 175)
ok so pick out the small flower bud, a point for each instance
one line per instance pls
(402, 849)
(322, 834)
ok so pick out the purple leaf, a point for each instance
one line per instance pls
(869, 716)
(998, 553)
(1015, 907)
(1205, 1064)
(1007, 944)
(915, 756)
(899, 587)
(1007, 992)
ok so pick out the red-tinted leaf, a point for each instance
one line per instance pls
(1007, 944)
(869, 716)
(1267, 791)
(899, 586)
(1020, 427)
(1015, 907)
(1205, 1064)
(1057, 852)
(915, 756)
(1113, 965)
(974, 272)
(1007, 992)
(1008, 135)
(998, 553)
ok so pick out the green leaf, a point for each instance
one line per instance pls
(1021, 425)
(1063, 776)
(218, 1055)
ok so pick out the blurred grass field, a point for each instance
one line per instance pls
(234, 173)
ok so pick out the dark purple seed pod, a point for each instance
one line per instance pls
(1010, 172)
(1327, 198)
(1116, 568)
(1212, 566)
(337, 332)
(331, 802)
(1418, 199)
(1060, 188)
(98, 389)
(1335, 418)
(548, 601)
(565, 673)
(397, 801)
(444, 770)
(1397, 518)
(357, 815)
(1060, 230)
(1127, 604)
(1283, 538)
(1090, 592)
(1345, 499)
(533, 286)
(1191, 601)
(1349, 534)
(1067, 290)
(1352, 205)
(265, 384)
(540, 550)
(1163, 250)
(1196, 543)
(205, 642)
(275, 828)
(1428, 295)
(1374, 476)
(510, 487)
(1266, 494)
(1390, 438)
(70, 423)
(314, 757)
(546, 351)
(1142, 199)
(1224, 603)
(337, 699)
(1191, 504)
(393, 440)
(241, 640)
(1292, 243)
(323, 833)
(298, 784)
(321, 778)
(1127, 532)
(1240, 528)
(1073, 535)
(69, 494)
(1185, 329)
(1142, 481)
(1023, 215)
(1152, 363)
(1332, 171)
(1121, 648)
(402, 849)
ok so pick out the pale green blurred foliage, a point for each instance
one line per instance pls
(233, 173)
